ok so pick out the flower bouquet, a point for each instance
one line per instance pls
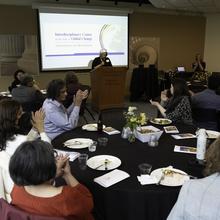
(133, 120)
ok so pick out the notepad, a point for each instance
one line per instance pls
(185, 149)
(111, 131)
(111, 178)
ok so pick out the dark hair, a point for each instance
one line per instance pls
(33, 163)
(213, 82)
(8, 115)
(54, 87)
(16, 74)
(71, 78)
(213, 158)
(25, 79)
(180, 88)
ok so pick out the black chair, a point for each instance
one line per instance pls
(114, 117)
(205, 118)
(11, 212)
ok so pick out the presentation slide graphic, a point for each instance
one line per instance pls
(67, 41)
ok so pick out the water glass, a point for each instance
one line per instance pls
(153, 142)
(102, 141)
(125, 132)
(82, 159)
(92, 147)
(145, 168)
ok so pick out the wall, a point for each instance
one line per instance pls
(212, 43)
(180, 37)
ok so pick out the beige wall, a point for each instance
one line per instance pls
(212, 43)
(180, 37)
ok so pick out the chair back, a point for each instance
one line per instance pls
(205, 118)
(10, 212)
(114, 117)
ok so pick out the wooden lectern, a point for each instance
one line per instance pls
(108, 87)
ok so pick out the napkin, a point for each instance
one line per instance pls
(111, 131)
(147, 179)
(111, 178)
(72, 155)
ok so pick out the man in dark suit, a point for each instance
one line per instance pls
(102, 60)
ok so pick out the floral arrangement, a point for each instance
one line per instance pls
(134, 119)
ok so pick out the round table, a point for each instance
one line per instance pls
(128, 199)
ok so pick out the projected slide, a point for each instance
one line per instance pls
(72, 41)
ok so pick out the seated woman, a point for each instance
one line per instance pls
(178, 107)
(199, 199)
(17, 78)
(58, 119)
(10, 137)
(36, 194)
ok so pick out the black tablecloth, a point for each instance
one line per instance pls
(128, 199)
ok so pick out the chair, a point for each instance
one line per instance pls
(114, 117)
(205, 118)
(10, 212)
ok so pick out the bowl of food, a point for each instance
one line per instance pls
(144, 133)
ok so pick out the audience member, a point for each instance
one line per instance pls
(58, 119)
(199, 199)
(178, 107)
(16, 82)
(10, 138)
(102, 60)
(199, 65)
(72, 86)
(33, 168)
(208, 98)
(28, 91)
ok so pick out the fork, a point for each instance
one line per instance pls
(106, 161)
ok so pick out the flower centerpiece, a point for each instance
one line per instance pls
(133, 120)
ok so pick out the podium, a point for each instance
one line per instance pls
(108, 87)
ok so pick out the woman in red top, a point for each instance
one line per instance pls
(33, 169)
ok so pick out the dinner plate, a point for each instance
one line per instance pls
(91, 127)
(98, 162)
(212, 134)
(175, 178)
(161, 121)
(78, 143)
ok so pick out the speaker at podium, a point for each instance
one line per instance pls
(108, 87)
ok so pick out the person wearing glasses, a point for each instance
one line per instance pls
(59, 119)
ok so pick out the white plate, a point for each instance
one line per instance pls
(161, 121)
(174, 179)
(98, 162)
(78, 143)
(212, 134)
(91, 127)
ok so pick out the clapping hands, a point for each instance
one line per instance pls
(38, 120)
(62, 164)
(80, 95)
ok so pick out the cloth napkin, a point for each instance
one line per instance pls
(111, 178)
(72, 155)
(147, 179)
(111, 131)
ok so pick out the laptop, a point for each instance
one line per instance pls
(181, 69)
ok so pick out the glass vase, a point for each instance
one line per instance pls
(131, 136)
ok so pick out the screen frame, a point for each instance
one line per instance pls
(39, 41)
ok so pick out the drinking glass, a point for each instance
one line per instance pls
(92, 147)
(82, 159)
(102, 141)
(145, 168)
(153, 142)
